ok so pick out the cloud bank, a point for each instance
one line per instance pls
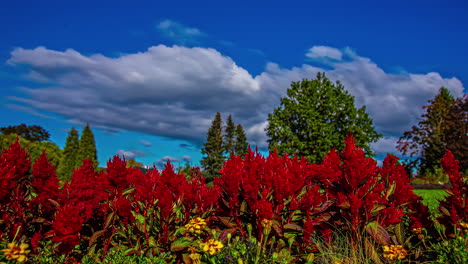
(175, 91)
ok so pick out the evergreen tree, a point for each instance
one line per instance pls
(213, 149)
(87, 148)
(241, 145)
(230, 136)
(315, 117)
(69, 160)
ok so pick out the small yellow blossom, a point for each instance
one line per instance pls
(196, 225)
(464, 225)
(417, 231)
(196, 258)
(394, 252)
(212, 246)
(16, 252)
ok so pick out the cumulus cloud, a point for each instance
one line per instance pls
(176, 91)
(178, 32)
(320, 52)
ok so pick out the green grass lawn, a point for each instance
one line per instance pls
(431, 197)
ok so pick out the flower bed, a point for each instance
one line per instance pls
(260, 210)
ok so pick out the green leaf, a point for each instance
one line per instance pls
(140, 218)
(180, 244)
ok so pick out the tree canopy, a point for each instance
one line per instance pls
(316, 116)
(87, 148)
(213, 149)
(70, 159)
(443, 126)
(220, 144)
(31, 133)
(34, 148)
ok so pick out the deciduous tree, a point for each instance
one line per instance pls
(427, 141)
(31, 133)
(315, 117)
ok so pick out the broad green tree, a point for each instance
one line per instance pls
(213, 149)
(34, 148)
(32, 133)
(229, 136)
(438, 130)
(316, 116)
(241, 144)
(87, 148)
(70, 159)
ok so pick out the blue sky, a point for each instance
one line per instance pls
(149, 76)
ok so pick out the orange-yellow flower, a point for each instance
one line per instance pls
(16, 252)
(196, 225)
(394, 252)
(212, 246)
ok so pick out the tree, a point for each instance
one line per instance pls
(439, 130)
(316, 116)
(87, 148)
(241, 145)
(70, 159)
(457, 132)
(34, 148)
(229, 136)
(31, 133)
(213, 149)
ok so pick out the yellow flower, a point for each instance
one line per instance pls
(394, 252)
(16, 252)
(212, 246)
(195, 225)
(196, 258)
(464, 225)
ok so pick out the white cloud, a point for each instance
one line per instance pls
(176, 91)
(178, 32)
(146, 143)
(320, 52)
(385, 145)
(186, 158)
(131, 154)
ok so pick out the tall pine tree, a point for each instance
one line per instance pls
(241, 145)
(213, 149)
(230, 136)
(87, 146)
(69, 160)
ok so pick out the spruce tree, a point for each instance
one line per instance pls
(87, 146)
(213, 149)
(241, 145)
(229, 136)
(69, 160)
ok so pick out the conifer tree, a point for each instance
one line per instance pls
(69, 160)
(229, 136)
(213, 149)
(241, 145)
(87, 148)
